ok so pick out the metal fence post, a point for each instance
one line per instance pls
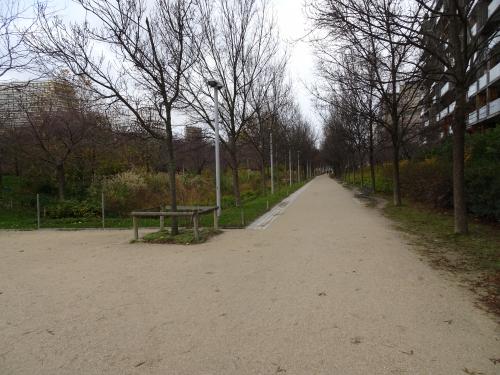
(102, 208)
(38, 210)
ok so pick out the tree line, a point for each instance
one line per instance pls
(377, 60)
(129, 73)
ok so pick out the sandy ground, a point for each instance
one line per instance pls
(328, 288)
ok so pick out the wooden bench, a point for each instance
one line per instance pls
(187, 211)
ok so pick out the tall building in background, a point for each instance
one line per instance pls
(19, 99)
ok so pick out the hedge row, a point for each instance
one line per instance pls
(428, 178)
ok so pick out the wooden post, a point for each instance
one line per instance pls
(216, 220)
(162, 223)
(242, 217)
(38, 210)
(136, 227)
(195, 226)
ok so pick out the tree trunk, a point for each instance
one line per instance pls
(172, 171)
(16, 167)
(372, 160)
(396, 186)
(263, 175)
(459, 201)
(1, 178)
(61, 181)
(361, 162)
(233, 154)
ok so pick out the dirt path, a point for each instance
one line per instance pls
(327, 288)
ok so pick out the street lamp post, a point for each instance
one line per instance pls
(216, 85)
(298, 166)
(271, 161)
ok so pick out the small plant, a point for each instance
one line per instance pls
(185, 237)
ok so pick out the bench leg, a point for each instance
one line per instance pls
(136, 227)
(162, 223)
(216, 220)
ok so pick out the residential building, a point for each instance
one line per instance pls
(18, 99)
(483, 93)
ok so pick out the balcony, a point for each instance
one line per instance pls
(472, 90)
(472, 118)
(473, 29)
(494, 73)
(493, 7)
(445, 88)
(494, 41)
(445, 112)
(483, 112)
(489, 110)
(484, 81)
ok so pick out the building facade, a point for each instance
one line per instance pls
(19, 99)
(483, 108)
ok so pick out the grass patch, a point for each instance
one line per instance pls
(475, 255)
(185, 236)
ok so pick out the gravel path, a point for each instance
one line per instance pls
(327, 288)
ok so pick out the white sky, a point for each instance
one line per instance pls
(293, 27)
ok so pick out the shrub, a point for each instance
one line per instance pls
(133, 190)
(72, 208)
(427, 181)
(482, 173)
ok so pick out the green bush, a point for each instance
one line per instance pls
(133, 190)
(428, 181)
(482, 173)
(71, 208)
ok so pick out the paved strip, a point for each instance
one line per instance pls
(265, 220)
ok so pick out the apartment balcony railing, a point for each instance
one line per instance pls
(487, 111)
(445, 88)
(486, 79)
(473, 29)
(445, 112)
(472, 118)
(494, 41)
(493, 7)
(472, 90)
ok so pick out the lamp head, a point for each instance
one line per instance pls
(215, 84)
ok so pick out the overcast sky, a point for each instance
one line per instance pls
(293, 26)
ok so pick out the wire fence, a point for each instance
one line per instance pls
(38, 211)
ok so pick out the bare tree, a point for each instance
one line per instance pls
(138, 54)
(366, 29)
(56, 120)
(15, 24)
(269, 95)
(240, 42)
